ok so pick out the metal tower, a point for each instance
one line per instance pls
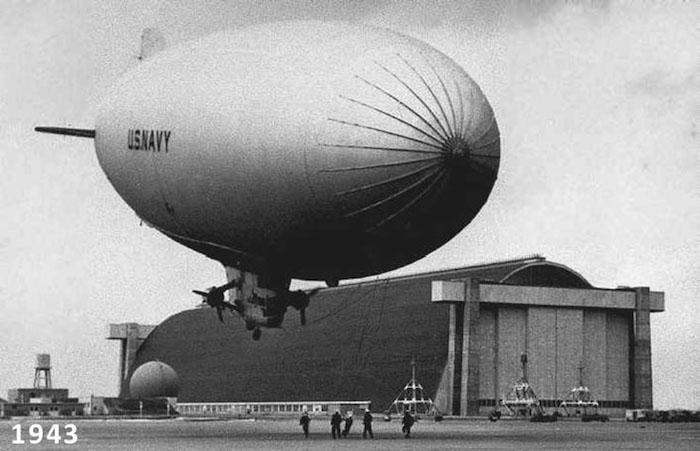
(42, 372)
(521, 399)
(413, 398)
(580, 399)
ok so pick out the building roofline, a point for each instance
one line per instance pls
(548, 263)
(525, 260)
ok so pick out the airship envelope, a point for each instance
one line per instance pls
(313, 149)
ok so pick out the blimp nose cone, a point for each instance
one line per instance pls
(410, 155)
(459, 157)
(456, 151)
(456, 146)
(406, 133)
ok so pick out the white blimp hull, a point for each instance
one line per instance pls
(321, 150)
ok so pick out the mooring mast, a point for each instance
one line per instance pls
(521, 399)
(413, 398)
(580, 399)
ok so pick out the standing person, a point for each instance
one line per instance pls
(407, 422)
(304, 422)
(348, 424)
(367, 421)
(336, 419)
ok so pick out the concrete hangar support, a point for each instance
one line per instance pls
(131, 336)
(360, 338)
(599, 336)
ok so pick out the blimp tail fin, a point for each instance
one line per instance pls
(80, 132)
(152, 42)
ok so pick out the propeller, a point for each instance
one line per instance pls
(214, 297)
(300, 300)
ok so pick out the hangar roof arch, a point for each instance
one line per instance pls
(545, 273)
(532, 270)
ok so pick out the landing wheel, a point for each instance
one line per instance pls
(256, 334)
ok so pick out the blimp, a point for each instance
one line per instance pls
(306, 150)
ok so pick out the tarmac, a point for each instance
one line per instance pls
(286, 434)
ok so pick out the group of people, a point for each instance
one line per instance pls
(337, 419)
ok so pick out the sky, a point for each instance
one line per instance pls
(598, 105)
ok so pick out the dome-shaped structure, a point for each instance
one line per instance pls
(153, 380)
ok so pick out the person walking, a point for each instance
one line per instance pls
(336, 419)
(304, 422)
(407, 422)
(367, 421)
(348, 424)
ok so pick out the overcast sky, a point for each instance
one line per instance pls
(598, 106)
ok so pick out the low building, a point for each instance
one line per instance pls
(42, 399)
(120, 407)
(243, 409)
(40, 404)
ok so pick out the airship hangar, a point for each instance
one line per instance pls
(467, 330)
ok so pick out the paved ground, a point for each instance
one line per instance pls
(286, 435)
